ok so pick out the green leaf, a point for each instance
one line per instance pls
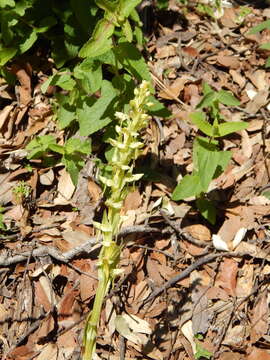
(127, 31)
(74, 145)
(158, 109)
(207, 209)
(207, 100)
(260, 27)
(267, 64)
(65, 81)
(4, 3)
(73, 165)
(265, 46)
(126, 7)
(199, 119)
(91, 116)
(39, 146)
(207, 89)
(6, 54)
(57, 148)
(66, 113)
(266, 194)
(100, 42)
(133, 61)
(107, 5)
(189, 186)
(226, 98)
(29, 41)
(90, 74)
(231, 127)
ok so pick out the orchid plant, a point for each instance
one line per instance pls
(127, 148)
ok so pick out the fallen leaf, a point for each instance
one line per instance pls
(258, 354)
(259, 319)
(227, 275)
(65, 188)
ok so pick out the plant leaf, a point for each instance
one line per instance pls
(189, 186)
(231, 127)
(226, 98)
(199, 119)
(265, 46)
(263, 25)
(133, 61)
(100, 42)
(91, 117)
(207, 209)
(207, 100)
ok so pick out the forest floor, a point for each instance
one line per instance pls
(175, 282)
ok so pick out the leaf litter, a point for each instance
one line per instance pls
(49, 250)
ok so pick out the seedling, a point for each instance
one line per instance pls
(22, 192)
(208, 161)
(201, 352)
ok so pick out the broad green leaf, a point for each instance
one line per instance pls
(39, 146)
(126, 7)
(231, 127)
(207, 100)
(6, 54)
(226, 98)
(133, 61)
(91, 117)
(100, 42)
(66, 113)
(90, 74)
(57, 148)
(73, 164)
(73, 145)
(263, 25)
(158, 109)
(224, 159)
(28, 43)
(207, 89)
(4, 3)
(207, 209)
(107, 5)
(127, 31)
(65, 81)
(199, 119)
(207, 160)
(265, 46)
(189, 186)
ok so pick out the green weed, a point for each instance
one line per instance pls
(208, 161)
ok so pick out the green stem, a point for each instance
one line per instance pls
(93, 320)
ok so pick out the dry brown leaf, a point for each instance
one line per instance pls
(199, 232)
(94, 191)
(201, 312)
(65, 188)
(25, 84)
(132, 201)
(227, 275)
(228, 61)
(259, 319)
(258, 101)
(165, 51)
(174, 89)
(258, 354)
(244, 284)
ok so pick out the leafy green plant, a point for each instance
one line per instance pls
(208, 161)
(117, 180)
(72, 153)
(243, 12)
(256, 29)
